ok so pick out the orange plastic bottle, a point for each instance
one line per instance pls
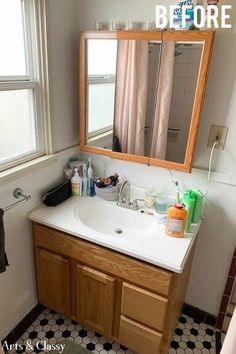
(176, 220)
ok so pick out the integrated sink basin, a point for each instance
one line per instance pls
(107, 218)
(125, 231)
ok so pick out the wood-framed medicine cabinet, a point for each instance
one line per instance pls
(141, 94)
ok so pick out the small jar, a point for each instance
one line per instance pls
(148, 25)
(131, 25)
(150, 198)
(98, 25)
(162, 203)
(116, 25)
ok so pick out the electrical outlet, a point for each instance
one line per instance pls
(218, 132)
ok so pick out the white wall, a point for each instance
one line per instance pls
(122, 10)
(217, 236)
(17, 284)
(63, 46)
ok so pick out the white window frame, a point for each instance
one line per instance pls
(37, 80)
(99, 79)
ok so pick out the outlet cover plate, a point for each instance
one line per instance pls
(218, 130)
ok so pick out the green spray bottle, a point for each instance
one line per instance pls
(197, 213)
(189, 202)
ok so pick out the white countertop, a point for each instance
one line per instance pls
(155, 248)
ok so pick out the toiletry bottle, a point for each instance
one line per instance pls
(211, 11)
(197, 213)
(176, 220)
(92, 189)
(76, 184)
(189, 202)
(90, 176)
(84, 181)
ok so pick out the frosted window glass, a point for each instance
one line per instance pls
(101, 106)
(102, 56)
(17, 124)
(12, 45)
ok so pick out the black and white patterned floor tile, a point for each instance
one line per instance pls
(50, 328)
(192, 336)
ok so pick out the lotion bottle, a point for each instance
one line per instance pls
(76, 184)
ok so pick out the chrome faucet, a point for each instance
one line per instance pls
(124, 197)
(124, 194)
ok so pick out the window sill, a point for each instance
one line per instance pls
(100, 136)
(26, 168)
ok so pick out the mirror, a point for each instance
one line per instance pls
(142, 94)
(187, 60)
(101, 79)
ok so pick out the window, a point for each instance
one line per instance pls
(22, 118)
(101, 85)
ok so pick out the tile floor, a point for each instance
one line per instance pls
(191, 336)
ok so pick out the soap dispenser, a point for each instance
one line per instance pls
(176, 221)
(76, 184)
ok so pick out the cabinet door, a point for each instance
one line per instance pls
(95, 299)
(53, 276)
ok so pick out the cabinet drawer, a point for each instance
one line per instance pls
(139, 338)
(143, 306)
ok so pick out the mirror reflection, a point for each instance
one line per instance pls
(140, 96)
(101, 77)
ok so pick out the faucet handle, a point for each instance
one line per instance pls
(135, 203)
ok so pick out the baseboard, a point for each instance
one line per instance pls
(199, 315)
(27, 321)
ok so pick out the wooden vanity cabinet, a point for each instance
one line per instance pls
(127, 300)
(95, 299)
(53, 275)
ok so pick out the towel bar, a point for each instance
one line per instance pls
(18, 193)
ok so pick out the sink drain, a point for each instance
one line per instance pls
(118, 231)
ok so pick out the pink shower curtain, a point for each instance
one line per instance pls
(163, 101)
(131, 95)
